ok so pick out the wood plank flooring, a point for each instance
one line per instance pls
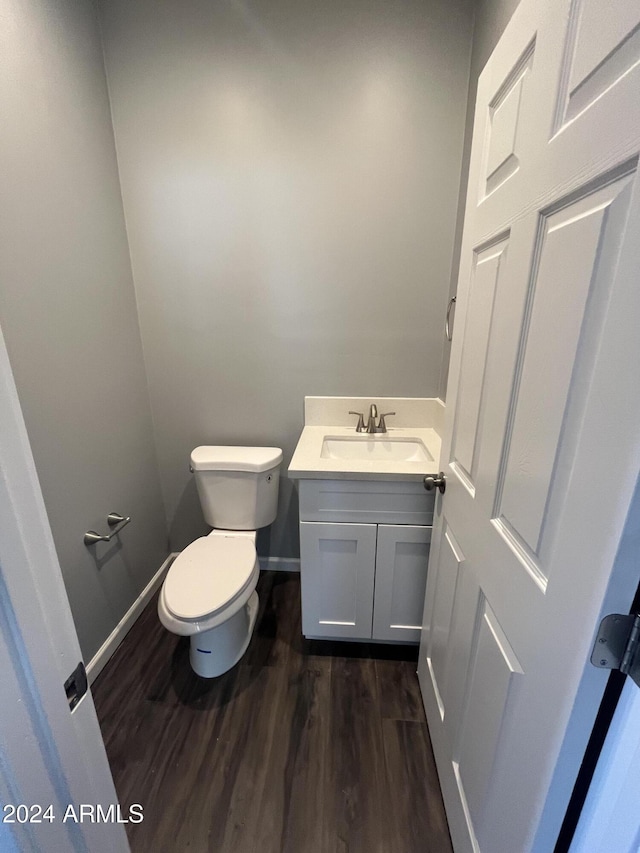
(304, 747)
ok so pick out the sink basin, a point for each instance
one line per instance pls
(362, 448)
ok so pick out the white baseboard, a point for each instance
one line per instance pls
(280, 564)
(98, 661)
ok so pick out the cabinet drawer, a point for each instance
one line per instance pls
(366, 501)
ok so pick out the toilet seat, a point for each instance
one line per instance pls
(209, 576)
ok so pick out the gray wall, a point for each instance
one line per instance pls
(290, 172)
(67, 308)
(491, 18)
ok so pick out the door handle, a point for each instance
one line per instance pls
(435, 481)
(447, 323)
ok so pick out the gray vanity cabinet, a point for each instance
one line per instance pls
(364, 549)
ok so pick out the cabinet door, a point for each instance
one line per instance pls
(337, 569)
(401, 577)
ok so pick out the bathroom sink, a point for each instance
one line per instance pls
(363, 448)
(330, 448)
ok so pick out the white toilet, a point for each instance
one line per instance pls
(209, 592)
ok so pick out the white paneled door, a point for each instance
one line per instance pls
(542, 438)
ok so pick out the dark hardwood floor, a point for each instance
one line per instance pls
(303, 747)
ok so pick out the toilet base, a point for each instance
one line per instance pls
(216, 651)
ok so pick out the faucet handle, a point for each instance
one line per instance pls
(360, 427)
(382, 427)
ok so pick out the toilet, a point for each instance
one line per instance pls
(209, 593)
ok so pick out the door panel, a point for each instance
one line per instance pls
(488, 264)
(337, 576)
(570, 262)
(467, 605)
(493, 669)
(447, 565)
(542, 404)
(603, 44)
(503, 144)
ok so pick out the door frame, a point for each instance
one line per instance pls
(48, 755)
(619, 598)
(609, 819)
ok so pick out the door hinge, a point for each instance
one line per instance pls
(76, 686)
(617, 645)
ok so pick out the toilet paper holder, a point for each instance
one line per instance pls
(114, 520)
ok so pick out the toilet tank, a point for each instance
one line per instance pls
(237, 486)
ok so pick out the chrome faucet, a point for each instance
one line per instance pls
(371, 422)
(373, 414)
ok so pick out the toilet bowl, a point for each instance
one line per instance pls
(209, 591)
(209, 595)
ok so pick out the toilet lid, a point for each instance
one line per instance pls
(208, 575)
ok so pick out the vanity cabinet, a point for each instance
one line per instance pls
(364, 559)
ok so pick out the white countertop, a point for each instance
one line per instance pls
(307, 462)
